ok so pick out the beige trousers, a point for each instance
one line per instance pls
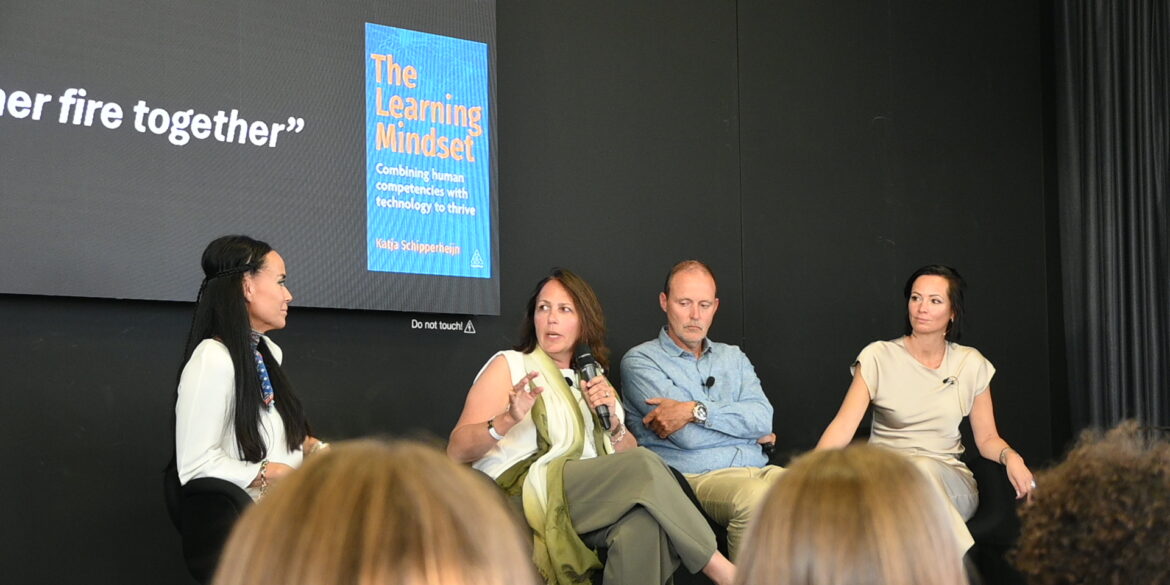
(732, 495)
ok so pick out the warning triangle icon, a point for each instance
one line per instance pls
(469, 328)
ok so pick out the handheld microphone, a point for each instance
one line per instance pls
(590, 369)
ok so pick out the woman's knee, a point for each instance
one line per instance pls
(636, 527)
(643, 465)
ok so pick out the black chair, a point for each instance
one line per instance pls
(995, 521)
(995, 526)
(204, 512)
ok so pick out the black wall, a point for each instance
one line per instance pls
(813, 153)
(876, 138)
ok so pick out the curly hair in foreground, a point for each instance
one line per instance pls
(1103, 515)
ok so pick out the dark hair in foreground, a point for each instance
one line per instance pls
(955, 288)
(222, 313)
(1102, 516)
(852, 516)
(589, 314)
(371, 512)
(687, 265)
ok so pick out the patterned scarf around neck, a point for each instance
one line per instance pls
(262, 370)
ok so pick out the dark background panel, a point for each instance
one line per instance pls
(876, 138)
(813, 154)
(620, 154)
(821, 171)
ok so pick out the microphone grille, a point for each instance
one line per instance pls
(584, 355)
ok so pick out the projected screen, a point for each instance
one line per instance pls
(357, 138)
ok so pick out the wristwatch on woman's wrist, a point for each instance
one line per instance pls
(491, 424)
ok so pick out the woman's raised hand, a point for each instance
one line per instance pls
(521, 397)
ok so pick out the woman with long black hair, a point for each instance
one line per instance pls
(236, 415)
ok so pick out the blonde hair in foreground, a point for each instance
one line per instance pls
(858, 515)
(371, 512)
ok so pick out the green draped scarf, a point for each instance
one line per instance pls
(559, 553)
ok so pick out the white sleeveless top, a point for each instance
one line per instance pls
(520, 441)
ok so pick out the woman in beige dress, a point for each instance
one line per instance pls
(921, 385)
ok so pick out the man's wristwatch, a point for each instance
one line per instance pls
(700, 412)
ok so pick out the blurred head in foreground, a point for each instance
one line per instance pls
(371, 512)
(1103, 515)
(851, 516)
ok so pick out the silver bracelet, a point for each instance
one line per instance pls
(263, 478)
(1004, 453)
(621, 434)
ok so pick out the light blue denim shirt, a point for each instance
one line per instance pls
(738, 413)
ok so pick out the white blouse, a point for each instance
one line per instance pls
(205, 436)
